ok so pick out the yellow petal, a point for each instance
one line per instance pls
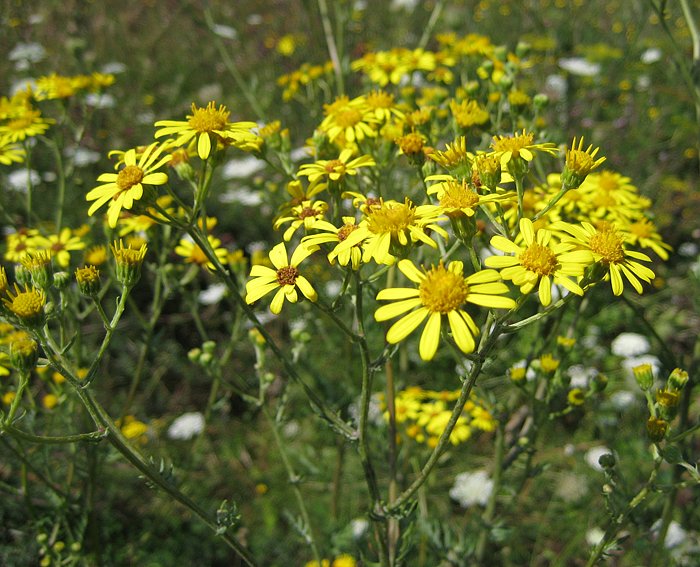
(430, 338)
(405, 326)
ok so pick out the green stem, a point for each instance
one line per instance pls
(487, 343)
(294, 480)
(434, 17)
(332, 47)
(289, 367)
(617, 522)
(53, 440)
(489, 513)
(230, 64)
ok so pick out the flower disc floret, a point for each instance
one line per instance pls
(442, 291)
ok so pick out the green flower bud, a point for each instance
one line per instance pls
(644, 375)
(678, 379)
(88, 279)
(657, 429)
(24, 352)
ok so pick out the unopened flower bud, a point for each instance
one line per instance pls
(88, 279)
(656, 428)
(678, 379)
(644, 375)
(24, 352)
(38, 264)
(61, 280)
(128, 262)
(209, 347)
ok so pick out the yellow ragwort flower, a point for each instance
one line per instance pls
(441, 292)
(390, 224)
(193, 254)
(209, 125)
(579, 163)
(124, 188)
(285, 278)
(27, 304)
(539, 261)
(607, 246)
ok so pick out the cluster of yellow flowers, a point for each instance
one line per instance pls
(21, 119)
(423, 415)
(517, 213)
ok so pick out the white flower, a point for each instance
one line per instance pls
(241, 168)
(18, 179)
(593, 455)
(675, 535)
(113, 68)
(651, 55)
(688, 249)
(580, 375)
(594, 535)
(630, 344)
(83, 156)
(243, 196)
(555, 86)
(24, 54)
(359, 527)
(472, 488)
(623, 399)
(98, 100)
(579, 66)
(227, 32)
(213, 294)
(186, 426)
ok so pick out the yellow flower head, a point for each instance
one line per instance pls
(209, 125)
(441, 292)
(390, 224)
(539, 261)
(10, 152)
(128, 261)
(607, 247)
(27, 305)
(193, 254)
(284, 277)
(515, 152)
(123, 189)
(579, 163)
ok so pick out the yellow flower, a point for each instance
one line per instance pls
(96, 255)
(285, 278)
(441, 292)
(352, 256)
(23, 121)
(516, 151)
(393, 224)
(60, 245)
(458, 199)
(468, 113)
(27, 305)
(209, 125)
(10, 152)
(548, 363)
(579, 164)
(334, 169)
(539, 261)
(49, 401)
(643, 232)
(308, 214)
(576, 397)
(193, 254)
(128, 262)
(124, 188)
(454, 156)
(607, 248)
(349, 120)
